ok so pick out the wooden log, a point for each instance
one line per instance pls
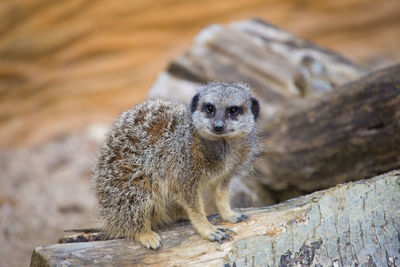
(273, 61)
(349, 225)
(350, 133)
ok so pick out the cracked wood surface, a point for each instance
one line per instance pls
(354, 223)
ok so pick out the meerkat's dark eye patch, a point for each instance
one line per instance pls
(195, 102)
(234, 111)
(255, 108)
(209, 108)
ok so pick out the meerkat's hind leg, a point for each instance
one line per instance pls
(149, 239)
(146, 236)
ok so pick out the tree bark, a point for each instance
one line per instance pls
(349, 225)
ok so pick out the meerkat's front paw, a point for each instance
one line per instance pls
(219, 234)
(235, 217)
(149, 239)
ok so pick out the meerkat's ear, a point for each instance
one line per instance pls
(255, 108)
(195, 102)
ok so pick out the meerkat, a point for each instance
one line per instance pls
(160, 156)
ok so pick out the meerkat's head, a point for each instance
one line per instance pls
(224, 110)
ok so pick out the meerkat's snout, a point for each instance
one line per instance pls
(218, 126)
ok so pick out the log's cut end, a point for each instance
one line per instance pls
(353, 223)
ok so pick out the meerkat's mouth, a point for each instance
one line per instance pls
(224, 133)
(210, 134)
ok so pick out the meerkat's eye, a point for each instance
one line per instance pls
(209, 108)
(234, 111)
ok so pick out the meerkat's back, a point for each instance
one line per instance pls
(145, 136)
(144, 143)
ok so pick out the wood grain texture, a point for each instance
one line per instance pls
(66, 64)
(355, 223)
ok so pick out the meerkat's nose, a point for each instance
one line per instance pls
(219, 126)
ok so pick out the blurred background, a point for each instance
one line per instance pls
(68, 68)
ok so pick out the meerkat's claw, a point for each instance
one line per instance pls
(226, 237)
(242, 218)
(235, 217)
(219, 235)
(224, 229)
(150, 239)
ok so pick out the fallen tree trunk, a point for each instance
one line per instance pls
(348, 134)
(348, 225)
